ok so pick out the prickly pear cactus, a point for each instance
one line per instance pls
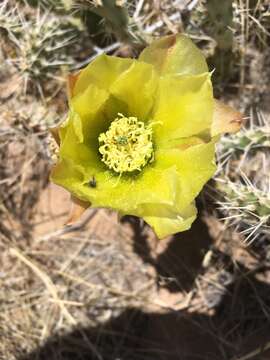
(117, 20)
(9, 19)
(243, 179)
(39, 45)
(220, 21)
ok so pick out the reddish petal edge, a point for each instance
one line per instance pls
(225, 119)
(77, 209)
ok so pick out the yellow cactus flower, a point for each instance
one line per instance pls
(140, 135)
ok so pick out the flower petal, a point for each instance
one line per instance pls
(54, 131)
(195, 166)
(171, 222)
(175, 54)
(88, 115)
(136, 87)
(122, 194)
(89, 101)
(184, 106)
(225, 119)
(72, 177)
(101, 72)
(126, 193)
(71, 81)
(65, 173)
(78, 207)
(72, 148)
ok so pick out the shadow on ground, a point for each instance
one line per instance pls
(239, 324)
(181, 260)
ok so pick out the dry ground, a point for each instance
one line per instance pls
(107, 288)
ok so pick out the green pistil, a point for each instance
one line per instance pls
(127, 145)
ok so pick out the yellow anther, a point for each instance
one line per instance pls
(127, 145)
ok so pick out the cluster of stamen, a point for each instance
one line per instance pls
(127, 145)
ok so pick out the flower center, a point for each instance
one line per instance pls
(127, 144)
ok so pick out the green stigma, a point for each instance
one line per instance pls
(127, 145)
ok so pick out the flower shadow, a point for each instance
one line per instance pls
(239, 325)
(177, 265)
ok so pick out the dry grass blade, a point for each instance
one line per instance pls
(104, 288)
(47, 282)
(53, 292)
(254, 353)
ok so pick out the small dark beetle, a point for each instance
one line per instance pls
(92, 183)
